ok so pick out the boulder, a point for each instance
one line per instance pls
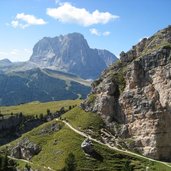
(25, 149)
(87, 146)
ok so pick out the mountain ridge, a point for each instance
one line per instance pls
(66, 59)
(71, 53)
(40, 85)
(133, 96)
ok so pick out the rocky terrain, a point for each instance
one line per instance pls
(48, 146)
(133, 96)
(25, 149)
(71, 53)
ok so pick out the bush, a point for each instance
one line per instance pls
(41, 117)
(120, 80)
(70, 163)
(48, 112)
(6, 164)
(28, 167)
(127, 166)
(91, 98)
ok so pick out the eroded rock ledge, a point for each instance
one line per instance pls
(133, 96)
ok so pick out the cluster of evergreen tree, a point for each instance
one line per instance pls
(7, 164)
(70, 163)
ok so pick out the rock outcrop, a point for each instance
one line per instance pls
(87, 146)
(71, 53)
(25, 149)
(133, 96)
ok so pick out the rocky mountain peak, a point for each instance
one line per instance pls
(71, 53)
(133, 96)
(148, 46)
(75, 36)
(5, 62)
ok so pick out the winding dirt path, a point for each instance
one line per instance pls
(97, 141)
(29, 162)
(108, 145)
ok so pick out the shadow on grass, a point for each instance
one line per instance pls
(96, 155)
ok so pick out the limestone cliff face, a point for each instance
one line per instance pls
(71, 53)
(134, 96)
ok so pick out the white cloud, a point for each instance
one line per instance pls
(106, 33)
(98, 33)
(27, 50)
(67, 13)
(14, 23)
(3, 53)
(94, 31)
(16, 54)
(25, 20)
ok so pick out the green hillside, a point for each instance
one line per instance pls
(36, 108)
(57, 144)
(16, 120)
(87, 122)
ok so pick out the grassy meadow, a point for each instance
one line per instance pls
(36, 108)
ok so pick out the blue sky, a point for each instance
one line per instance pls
(115, 25)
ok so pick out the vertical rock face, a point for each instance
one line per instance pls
(71, 53)
(136, 94)
(146, 104)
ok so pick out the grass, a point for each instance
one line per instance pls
(85, 121)
(36, 108)
(82, 120)
(91, 98)
(66, 77)
(155, 43)
(58, 144)
(147, 51)
(119, 77)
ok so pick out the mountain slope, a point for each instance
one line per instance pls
(5, 62)
(133, 97)
(55, 141)
(71, 53)
(56, 71)
(40, 85)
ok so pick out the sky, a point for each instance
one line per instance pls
(115, 25)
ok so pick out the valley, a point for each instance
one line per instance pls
(40, 85)
(85, 85)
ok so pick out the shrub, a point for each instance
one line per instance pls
(91, 98)
(70, 163)
(127, 166)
